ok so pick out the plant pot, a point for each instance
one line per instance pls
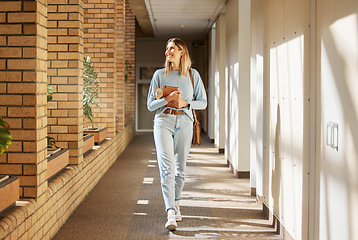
(52, 151)
(9, 191)
(88, 143)
(99, 133)
(57, 162)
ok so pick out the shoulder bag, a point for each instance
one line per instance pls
(196, 125)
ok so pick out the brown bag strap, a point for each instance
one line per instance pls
(192, 82)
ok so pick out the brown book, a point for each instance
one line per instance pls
(168, 90)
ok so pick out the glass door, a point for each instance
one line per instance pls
(144, 121)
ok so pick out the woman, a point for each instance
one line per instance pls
(173, 122)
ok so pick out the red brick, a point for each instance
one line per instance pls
(51, 24)
(51, 9)
(2, 41)
(8, 29)
(21, 87)
(51, 2)
(57, 16)
(30, 123)
(68, 8)
(3, 158)
(21, 112)
(10, 6)
(30, 169)
(59, 64)
(23, 17)
(68, 39)
(68, 72)
(68, 56)
(31, 192)
(30, 6)
(29, 52)
(59, 129)
(2, 17)
(22, 40)
(28, 180)
(14, 169)
(31, 146)
(22, 157)
(57, 47)
(26, 64)
(15, 99)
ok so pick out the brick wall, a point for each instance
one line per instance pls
(65, 54)
(43, 41)
(99, 44)
(23, 58)
(120, 58)
(30, 220)
(130, 58)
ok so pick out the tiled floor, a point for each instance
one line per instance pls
(127, 203)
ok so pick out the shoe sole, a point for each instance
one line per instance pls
(171, 227)
(178, 219)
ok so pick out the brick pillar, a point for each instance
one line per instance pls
(65, 55)
(23, 43)
(120, 58)
(130, 58)
(99, 43)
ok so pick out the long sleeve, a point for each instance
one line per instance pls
(152, 102)
(200, 100)
(184, 84)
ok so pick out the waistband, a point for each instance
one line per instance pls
(174, 112)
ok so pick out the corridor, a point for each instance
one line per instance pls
(127, 202)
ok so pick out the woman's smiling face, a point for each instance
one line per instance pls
(173, 53)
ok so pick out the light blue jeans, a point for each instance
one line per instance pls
(172, 135)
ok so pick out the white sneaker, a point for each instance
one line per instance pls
(178, 216)
(171, 223)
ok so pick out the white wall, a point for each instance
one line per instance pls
(232, 82)
(238, 84)
(282, 131)
(287, 125)
(211, 83)
(337, 59)
(257, 94)
(220, 64)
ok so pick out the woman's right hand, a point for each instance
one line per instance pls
(174, 96)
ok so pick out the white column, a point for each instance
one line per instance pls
(219, 101)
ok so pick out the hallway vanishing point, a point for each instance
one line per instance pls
(127, 202)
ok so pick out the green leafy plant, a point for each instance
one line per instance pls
(127, 69)
(49, 93)
(90, 88)
(51, 143)
(5, 136)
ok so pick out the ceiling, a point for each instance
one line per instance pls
(186, 19)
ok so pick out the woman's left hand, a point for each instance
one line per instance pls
(177, 104)
(182, 103)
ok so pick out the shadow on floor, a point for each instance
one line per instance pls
(127, 203)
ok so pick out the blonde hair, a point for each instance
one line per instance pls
(185, 62)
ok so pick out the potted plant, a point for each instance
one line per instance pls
(90, 93)
(9, 185)
(5, 136)
(57, 158)
(127, 71)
